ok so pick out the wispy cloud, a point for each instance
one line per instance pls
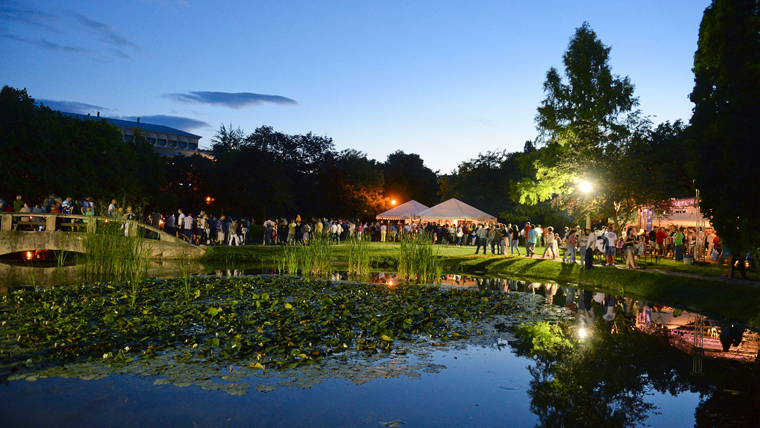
(183, 123)
(31, 17)
(107, 33)
(71, 106)
(234, 100)
(50, 29)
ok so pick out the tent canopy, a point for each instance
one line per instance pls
(454, 209)
(405, 211)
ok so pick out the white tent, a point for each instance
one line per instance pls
(454, 209)
(405, 211)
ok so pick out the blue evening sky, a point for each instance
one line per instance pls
(446, 80)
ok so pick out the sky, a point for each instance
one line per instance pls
(443, 79)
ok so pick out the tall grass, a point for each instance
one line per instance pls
(109, 255)
(417, 261)
(317, 255)
(359, 259)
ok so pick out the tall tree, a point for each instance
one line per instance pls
(587, 125)
(725, 126)
(407, 178)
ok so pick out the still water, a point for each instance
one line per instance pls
(614, 378)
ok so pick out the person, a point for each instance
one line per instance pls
(112, 208)
(460, 235)
(292, 232)
(630, 244)
(660, 241)
(482, 234)
(169, 224)
(232, 229)
(530, 247)
(710, 241)
(220, 225)
(18, 204)
(571, 241)
(611, 240)
(187, 227)
(678, 239)
(514, 243)
(726, 258)
(550, 242)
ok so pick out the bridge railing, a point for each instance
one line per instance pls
(35, 222)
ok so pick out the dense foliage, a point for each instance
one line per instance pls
(725, 127)
(45, 152)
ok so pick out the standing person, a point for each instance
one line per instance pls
(630, 244)
(570, 241)
(514, 243)
(610, 239)
(550, 242)
(460, 235)
(678, 239)
(660, 241)
(383, 232)
(710, 241)
(19, 203)
(482, 235)
(187, 227)
(582, 236)
(169, 224)
(292, 232)
(180, 220)
(530, 247)
(589, 255)
(220, 225)
(232, 230)
(112, 208)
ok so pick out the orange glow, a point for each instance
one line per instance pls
(393, 202)
(29, 255)
(208, 200)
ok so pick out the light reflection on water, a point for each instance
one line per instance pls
(480, 386)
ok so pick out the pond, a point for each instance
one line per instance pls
(631, 371)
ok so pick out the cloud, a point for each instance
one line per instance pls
(234, 100)
(71, 106)
(32, 17)
(184, 123)
(107, 33)
(47, 26)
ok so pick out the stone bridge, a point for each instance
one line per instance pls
(21, 232)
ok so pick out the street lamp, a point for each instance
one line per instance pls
(586, 188)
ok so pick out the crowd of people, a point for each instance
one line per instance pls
(579, 245)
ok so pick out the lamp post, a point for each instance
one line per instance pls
(586, 187)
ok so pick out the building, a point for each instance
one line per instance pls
(165, 140)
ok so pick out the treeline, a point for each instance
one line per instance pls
(264, 174)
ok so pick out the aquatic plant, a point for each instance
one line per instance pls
(110, 254)
(417, 261)
(359, 258)
(274, 322)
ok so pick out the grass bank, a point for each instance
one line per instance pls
(657, 282)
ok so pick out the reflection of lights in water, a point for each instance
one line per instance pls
(582, 333)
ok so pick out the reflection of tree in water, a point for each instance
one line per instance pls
(601, 381)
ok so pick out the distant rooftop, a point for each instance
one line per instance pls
(131, 124)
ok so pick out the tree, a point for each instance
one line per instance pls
(725, 127)
(588, 126)
(407, 178)
(47, 152)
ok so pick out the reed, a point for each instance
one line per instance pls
(417, 261)
(359, 259)
(317, 255)
(290, 260)
(109, 255)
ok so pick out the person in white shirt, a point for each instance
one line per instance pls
(611, 242)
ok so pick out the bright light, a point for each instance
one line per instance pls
(393, 202)
(582, 333)
(29, 255)
(585, 186)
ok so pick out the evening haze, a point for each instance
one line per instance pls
(445, 80)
